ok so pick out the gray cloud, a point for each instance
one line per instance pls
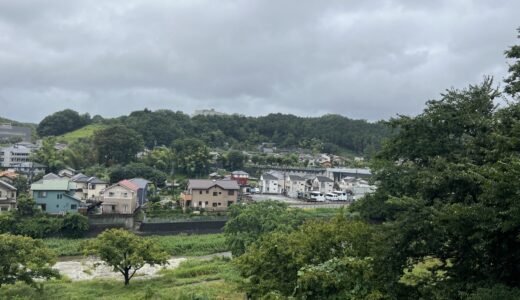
(362, 59)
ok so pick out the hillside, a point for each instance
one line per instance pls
(84, 132)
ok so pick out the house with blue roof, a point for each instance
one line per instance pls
(56, 196)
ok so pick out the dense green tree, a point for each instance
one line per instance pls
(62, 122)
(320, 259)
(24, 259)
(74, 225)
(79, 154)
(117, 144)
(21, 184)
(235, 160)
(162, 158)
(125, 251)
(133, 170)
(248, 222)
(191, 157)
(513, 81)
(49, 155)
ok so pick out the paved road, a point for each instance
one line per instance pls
(300, 203)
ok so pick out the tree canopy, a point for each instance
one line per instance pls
(117, 144)
(62, 122)
(125, 252)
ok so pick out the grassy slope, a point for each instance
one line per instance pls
(175, 245)
(83, 132)
(194, 279)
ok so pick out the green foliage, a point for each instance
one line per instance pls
(513, 81)
(280, 261)
(247, 223)
(21, 184)
(74, 225)
(49, 156)
(193, 279)
(24, 259)
(191, 157)
(83, 133)
(162, 158)
(61, 122)
(132, 170)
(117, 144)
(125, 252)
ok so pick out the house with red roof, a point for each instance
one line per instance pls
(120, 198)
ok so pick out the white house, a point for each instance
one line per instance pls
(323, 184)
(294, 185)
(270, 184)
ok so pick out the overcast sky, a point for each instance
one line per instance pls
(361, 59)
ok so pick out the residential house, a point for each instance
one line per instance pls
(269, 184)
(88, 187)
(8, 176)
(210, 194)
(295, 185)
(67, 172)
(240, 176)
(323, 184)
(14, 155)
(28, 168)
(145, 188)
(56, 196)
(7, 197)
(120, 198)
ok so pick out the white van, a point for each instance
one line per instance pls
(317, 196)
(342, 196)
(331, 197)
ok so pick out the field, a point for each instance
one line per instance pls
(175, 245)
(83, 132)
(193, 279)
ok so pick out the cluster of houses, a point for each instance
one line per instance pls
(300, 185)
(69, 191)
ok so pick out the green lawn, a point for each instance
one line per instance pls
(175, 245)
(193, 279)
(83, 132)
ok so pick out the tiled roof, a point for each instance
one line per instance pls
(140, 182)
(324, 179)
(268, 176)
(53, 185)
(204, 184)
(128, 184)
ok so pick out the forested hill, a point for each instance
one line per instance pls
(333, 133)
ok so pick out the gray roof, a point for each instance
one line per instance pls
(350, 171)
(140, 182)
(204, 184)
(324, 179)
(269, 176)
(80, 178)
(7, 185)
(50, 176)
(95, 180)
(293, 177)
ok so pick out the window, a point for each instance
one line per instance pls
(113, 208)
(12, 195)
(220, 193)
(207, 191)
(125, 195)
(4, 208)
(206, 203)
(215, 194)
(73, 206)
(219, 204)
(231, 192)
(214, 204)
(200, 203)
(57, 206)
(111, 194)
(200, 192)
(0, 193)
(59, 196)
(42, 194)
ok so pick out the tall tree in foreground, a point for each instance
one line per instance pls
(24, 259)
(125, 252)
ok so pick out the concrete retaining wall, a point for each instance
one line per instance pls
(196, 227)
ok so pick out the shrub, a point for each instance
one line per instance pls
(74, 225)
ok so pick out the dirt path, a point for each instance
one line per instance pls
(80, 268)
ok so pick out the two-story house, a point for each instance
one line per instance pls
(56, 196)
(295, 185)
(323, 184)
(270, 184)
(88, 187)
(120, 198)
(210, 194)
(7, 197)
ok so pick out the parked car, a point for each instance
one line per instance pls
(331, 197)
(317, 196)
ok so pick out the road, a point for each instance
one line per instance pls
(299, 203)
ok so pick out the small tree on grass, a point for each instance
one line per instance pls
(24, 259)
(125, 251)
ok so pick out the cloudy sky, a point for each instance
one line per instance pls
(362, 59)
